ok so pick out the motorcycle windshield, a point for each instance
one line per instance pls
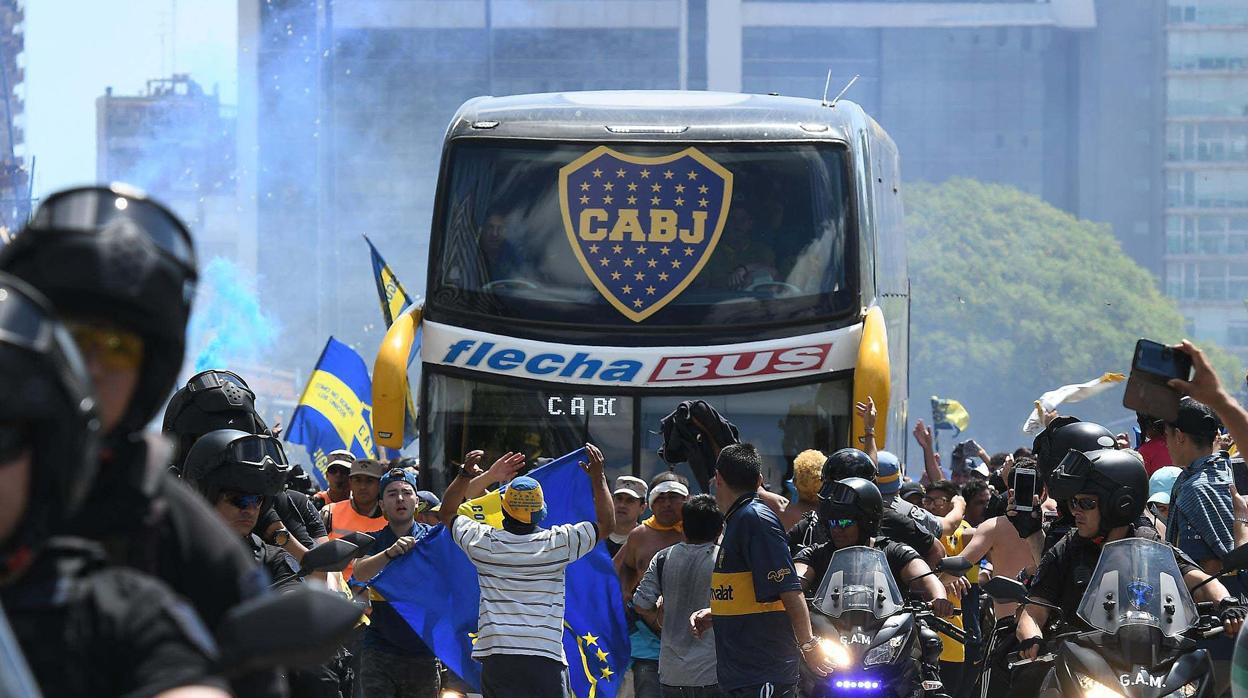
(858, 579)
(1138, 582)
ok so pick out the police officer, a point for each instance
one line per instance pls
(894, 525)
(1107, 490)
(851, 510)
(1061, 436)
(237, 472)
(84, 628)
(120, 267)
(219, 399)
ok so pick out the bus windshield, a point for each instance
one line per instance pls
(672, 234)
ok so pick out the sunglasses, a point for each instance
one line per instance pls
(244, 501)
(838, 524)
(934, 500)
(1085, 503)
(116, 349)
(14, 439)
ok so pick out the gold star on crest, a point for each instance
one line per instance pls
(627, 289)
(584, 186)
(680, 201)
(656, 187)
(702, 189)
(628, 261)
(649, 290)
(608, 199)
(640, 276)
(675, 263)
(641, 249)
(645, 174)
(654, 201)
(703, 202)
(665, 249)
(693, 174)
(632, 200)
(688, 251)
(680, 189)
(662, 276)
(608, 186)
(617, 248)
(615, 276)
(620, 172)
(669, 174)
(652, 263)
(584, 199)
(593, 249)
(604, 262)
(632, 186)
(597, 172)
(637, 303)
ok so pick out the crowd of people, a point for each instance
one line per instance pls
(126, 556)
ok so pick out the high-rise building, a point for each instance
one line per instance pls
(176, 142)
(14, 169)
(343, 105)
(1206, 168)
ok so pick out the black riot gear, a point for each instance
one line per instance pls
(210, 400)
(1117, 478)
(111, 253)
(853, 498)
(1066, 434)
(848, 462)
(235, 460)
(48, 410)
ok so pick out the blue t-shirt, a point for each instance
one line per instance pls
(754, 641)
(387, 631)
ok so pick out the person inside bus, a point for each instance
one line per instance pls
(745, 255)
(501, 254)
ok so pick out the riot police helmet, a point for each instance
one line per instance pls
(229, 459)
(853, 499)
(1066, 434)
(210, 400)
(1117, 478)
(846, 463)
(110, 253)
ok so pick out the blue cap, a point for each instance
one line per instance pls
(888, 473)
(1161, 483)
(398, 475)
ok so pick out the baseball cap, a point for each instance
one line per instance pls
(1161, 483)
(665, 487)
(369, 467)
(1196, 418)
(341, 458)
(910, 489)
(523, 500)
(399, 475)
(632, 486)
(428, 501)
(888, 473)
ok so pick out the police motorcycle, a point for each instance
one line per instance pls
(867, 629)
(1144, 628)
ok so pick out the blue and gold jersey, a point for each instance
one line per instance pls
(754, 641)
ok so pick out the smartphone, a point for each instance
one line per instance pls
(1024, 489)
(1240, 470)
(970, 449)
(1153, 365)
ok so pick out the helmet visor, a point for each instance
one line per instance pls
(25, 323)
(1070, 476)
(91, 209)
(216, 378)
(254, 449)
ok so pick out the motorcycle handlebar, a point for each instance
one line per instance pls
(1040, 659)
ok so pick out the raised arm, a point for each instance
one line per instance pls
(470, 477)
(931, 469)
(1206, 388)
(604, 508)
(866, 410)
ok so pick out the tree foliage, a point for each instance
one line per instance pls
(1012, 297)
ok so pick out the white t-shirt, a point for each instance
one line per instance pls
(522, 584)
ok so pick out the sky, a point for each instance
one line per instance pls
(112, 43)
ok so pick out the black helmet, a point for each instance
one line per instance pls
(210, 400)
(1066, 434)
(235, 460)
(1117, 478)
(853, 498)
(848, 462)
(112, 253)
(47, 397)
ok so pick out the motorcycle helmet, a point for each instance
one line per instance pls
(235, 460)
(846, 463)
(210, 400)
(48, 409)
(853, 498)
(110, 252)
(1063, 435)
(1117, 478)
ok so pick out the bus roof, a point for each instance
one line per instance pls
(658, 115)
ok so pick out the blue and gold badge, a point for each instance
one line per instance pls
(643, 227)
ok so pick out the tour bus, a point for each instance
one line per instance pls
(596, 258)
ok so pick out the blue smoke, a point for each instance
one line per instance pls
(228, 326)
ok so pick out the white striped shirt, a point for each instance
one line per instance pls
(522, 584)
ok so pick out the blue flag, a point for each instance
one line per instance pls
(335, 410)
(434, 588)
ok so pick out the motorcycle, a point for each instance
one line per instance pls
(1144, 626)
(867, 629)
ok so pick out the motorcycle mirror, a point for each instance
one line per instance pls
(1006, 589)
(330, 556)
(361, 539)
(257, 633)
(957, 563)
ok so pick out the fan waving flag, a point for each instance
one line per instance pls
(1068, 393)
(949, 414)
(394, 300)
(334, 411)
(434, 588)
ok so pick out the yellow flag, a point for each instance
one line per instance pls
(488, 509)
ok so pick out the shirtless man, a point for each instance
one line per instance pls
(667, 496)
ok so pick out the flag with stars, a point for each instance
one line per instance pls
(434, 588)
(642, 228)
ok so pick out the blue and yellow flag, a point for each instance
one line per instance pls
(394, 300)
(949, 414)
(334, 411)
(434, 588)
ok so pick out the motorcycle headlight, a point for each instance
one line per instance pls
(1095, 689)
(835, 652)
(885, 653)
(1187, 690)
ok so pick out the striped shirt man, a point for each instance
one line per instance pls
(522, 584)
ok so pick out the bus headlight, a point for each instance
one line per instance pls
(835, 652)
